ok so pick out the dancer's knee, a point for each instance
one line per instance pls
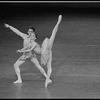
(15, 65)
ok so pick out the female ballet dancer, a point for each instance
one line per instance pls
(46, 54)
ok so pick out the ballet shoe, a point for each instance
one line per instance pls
(47, 82)
(18, 81)
(60, 18)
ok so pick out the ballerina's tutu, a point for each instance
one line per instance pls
(45, 51)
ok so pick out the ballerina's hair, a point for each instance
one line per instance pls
(33, 30)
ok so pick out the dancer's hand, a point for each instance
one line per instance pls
(21, 51)
(6, 25)
(18, 51)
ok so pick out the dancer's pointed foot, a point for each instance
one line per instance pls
(59, 18)
(18, 81)
(47, 82)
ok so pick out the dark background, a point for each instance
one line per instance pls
(23, 15)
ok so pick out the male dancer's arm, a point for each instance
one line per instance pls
(16, 31)
(23, 49)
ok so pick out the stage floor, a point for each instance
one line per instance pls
(70, 86)
(76, 74)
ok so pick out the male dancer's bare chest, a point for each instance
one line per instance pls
(27, 42)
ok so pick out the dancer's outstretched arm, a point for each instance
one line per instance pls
(51, 40)
(16, 31)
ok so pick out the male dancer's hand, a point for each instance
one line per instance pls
(18, 51)
(21, 51)
(6, 25)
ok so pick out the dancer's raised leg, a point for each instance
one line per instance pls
(51, 40)
(48, 43)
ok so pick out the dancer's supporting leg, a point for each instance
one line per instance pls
(17, 70)
(51, 40)
(35, 61)
(49, 69)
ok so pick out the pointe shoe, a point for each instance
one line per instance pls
(60, 18)
(47, 82)
(18, 81)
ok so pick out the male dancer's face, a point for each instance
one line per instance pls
(31, 34)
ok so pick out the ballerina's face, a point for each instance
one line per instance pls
(31, 34)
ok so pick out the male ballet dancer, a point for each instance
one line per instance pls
(30, 45)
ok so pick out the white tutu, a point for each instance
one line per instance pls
(45, 51)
